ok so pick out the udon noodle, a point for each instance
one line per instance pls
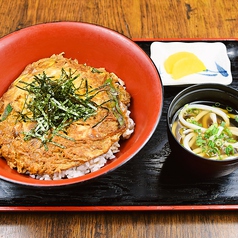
(207, 131)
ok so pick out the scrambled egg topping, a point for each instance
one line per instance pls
(60, 114)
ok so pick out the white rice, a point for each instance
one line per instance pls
(91, 165)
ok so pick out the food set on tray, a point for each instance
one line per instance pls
(89, 108)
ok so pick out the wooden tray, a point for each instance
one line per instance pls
(152, 180)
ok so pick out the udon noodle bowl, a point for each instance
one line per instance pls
(208, 130)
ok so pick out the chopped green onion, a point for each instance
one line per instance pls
(229, 150)
(229, 109)
(94, 70)
(113, 94)
(6, 112)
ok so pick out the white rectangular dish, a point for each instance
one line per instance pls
(212, 54)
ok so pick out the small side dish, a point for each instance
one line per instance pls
(203, 130)
(181, 63)
(209, 131)
(61, 119)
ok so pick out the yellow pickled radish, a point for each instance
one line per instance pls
(172, 59)
(182, 64)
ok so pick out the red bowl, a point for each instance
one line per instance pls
(98, 47)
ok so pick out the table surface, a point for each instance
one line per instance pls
(135, 19)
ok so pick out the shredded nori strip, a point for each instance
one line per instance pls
(55, 104)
